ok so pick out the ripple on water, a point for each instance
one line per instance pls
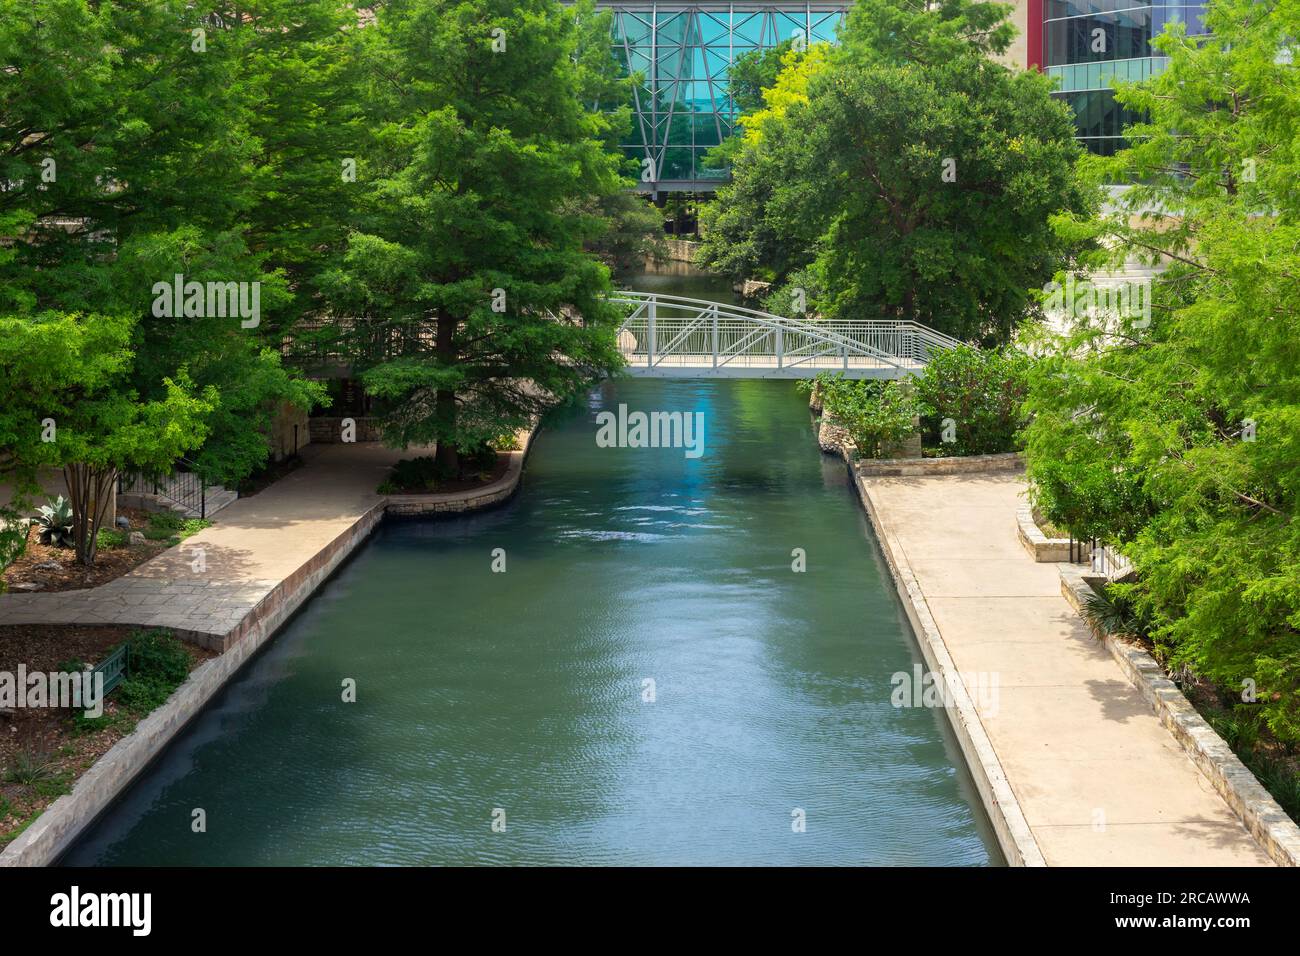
(669, 703)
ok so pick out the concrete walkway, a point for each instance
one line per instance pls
(255, 545)
(1099, 780)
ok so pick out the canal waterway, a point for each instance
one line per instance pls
(650, 680)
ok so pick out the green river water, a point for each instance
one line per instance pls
(521, 697)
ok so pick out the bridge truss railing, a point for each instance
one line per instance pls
(663, 329)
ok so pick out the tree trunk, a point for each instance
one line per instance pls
(90, 490)
(447, 457)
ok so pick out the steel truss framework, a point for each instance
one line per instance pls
(668, 336)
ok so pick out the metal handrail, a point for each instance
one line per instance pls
(631, 296)
(1102, 558)
(770, 322)
(900, 344)
(189, 489)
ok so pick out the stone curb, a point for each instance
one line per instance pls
(916, 467)
(1041, 548)
(1267, 822)
(834, 440)
(1004, 810)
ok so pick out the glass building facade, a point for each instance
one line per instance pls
(682, 53)
(1086, 43)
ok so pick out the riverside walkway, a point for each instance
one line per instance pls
(214, 584)
(1099, 780)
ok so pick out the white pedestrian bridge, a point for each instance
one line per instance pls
(669, 336)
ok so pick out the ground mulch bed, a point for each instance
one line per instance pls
(468, 483)
(37, 565)
(49, 737)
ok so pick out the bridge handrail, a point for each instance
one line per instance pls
(825, 331)
(932, 336)
(768, 319)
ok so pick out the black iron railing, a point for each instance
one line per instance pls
(182, 487)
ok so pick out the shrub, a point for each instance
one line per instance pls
(82, 725)
(1112, 611)
(481, 459)
(875, 414)
(157, 655)
(159, 664)
(141, 696)
(171, 527)
(31, 769)
(111, 538)
(981, 392)
(414, 475)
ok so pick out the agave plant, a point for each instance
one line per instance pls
(55, 522)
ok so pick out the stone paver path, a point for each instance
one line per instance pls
(1076, 740)
(255, 544)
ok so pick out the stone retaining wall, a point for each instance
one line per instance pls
(681, 250)
(1041, 548)
(834, 440)
(922, 467)
(1267, 822)
(329, 431)
(455, 502)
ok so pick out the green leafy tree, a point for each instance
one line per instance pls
(72, 407)
(469, 243)
(145, 140)
(634, 231)
(1178, 437)
(754, 71)
(751, 72)
(918, 180)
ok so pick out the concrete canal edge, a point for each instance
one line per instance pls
(52, 833)
(1004, 811)
(1000, 803)
(1267, 822)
